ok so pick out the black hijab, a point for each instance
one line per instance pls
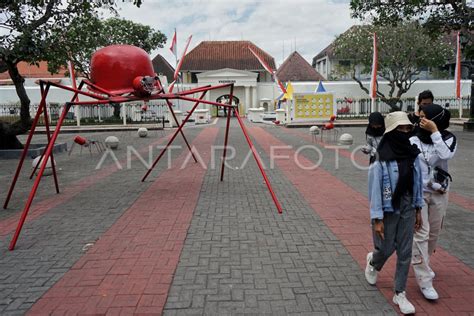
(375, 118)
(440, 117)
(395, 145)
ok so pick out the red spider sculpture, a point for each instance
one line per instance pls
(122, 73)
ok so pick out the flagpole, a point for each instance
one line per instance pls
(72, 75)
(178, 66)
(176, 55)
(373, 79)
(457, 75)
(176, 60)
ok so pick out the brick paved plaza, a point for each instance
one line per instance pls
(183, 242)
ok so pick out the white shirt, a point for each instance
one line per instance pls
(433, 155)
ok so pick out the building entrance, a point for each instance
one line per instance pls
(222, 111)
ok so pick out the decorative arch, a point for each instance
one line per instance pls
(225, 99)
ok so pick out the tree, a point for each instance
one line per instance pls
(91, 34)
(435, 16)
(85, 35)
(402, 52)
(27, 27)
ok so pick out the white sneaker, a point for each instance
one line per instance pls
(429, 293)
(403, 303)
(370, 272)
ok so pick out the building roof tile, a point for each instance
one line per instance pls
(296, 68)
(214, 55)
(33, 71)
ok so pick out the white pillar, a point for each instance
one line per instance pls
(460, 107)
(77, 112)
(247, 99)
(124, 114)
(254, 97)
(357, 107)
(289, 110)
(207, 97)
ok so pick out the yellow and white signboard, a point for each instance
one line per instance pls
(313, 106)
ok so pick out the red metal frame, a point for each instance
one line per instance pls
(114, 98)
(46, 123)
(227, 125)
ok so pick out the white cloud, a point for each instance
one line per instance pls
(271, 25)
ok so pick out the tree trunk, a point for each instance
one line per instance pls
(392, 102)
(19, 82)
(8, 132)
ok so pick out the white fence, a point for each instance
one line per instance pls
(362, 107)
(94, 114)
(157, 110)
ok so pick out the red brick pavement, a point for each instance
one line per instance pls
(361, 159)
(462, 201)
(9, 224)
(346, 212)
(130, 268)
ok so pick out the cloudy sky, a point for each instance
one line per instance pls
(276, 26)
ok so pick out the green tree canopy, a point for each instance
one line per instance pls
(26, 27)
(85, 35)
(435, 16)
(403, 51)
(28, 32)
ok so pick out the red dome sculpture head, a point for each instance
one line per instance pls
(114, 67)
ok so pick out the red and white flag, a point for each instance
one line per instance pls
(457, 73)
(173, 47)
(262, 62)
(171, 87)
(373, 79)
(269, 69)
(72, 76)
(178, 67)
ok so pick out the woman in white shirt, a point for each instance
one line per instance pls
(437, 146)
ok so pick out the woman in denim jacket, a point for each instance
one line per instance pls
(395, 192)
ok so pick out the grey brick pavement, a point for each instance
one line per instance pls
(241, 257)
(70, 168)
(50, 245)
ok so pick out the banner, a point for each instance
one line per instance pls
(178, 67)
(313, 106)
(173, 47)
(373, 81)
(269, 70)
(457, 73)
